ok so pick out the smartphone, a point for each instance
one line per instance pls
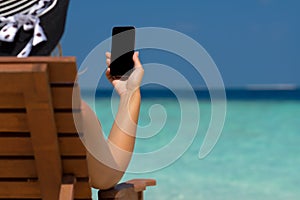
(122, 50)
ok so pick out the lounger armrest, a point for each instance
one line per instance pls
(141, 184)
(129, 190)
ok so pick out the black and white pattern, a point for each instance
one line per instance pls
(16, 14)
(12, 7)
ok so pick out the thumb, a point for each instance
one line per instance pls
(136, 60)
(136, 77)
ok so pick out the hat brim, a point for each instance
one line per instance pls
(53, 23)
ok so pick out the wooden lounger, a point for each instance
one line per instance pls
(41, 154)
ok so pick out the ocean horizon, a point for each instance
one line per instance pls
(236, 93)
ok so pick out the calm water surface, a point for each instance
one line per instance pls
(257, 156)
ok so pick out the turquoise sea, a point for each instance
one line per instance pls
(256, 157)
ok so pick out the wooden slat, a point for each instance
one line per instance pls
(62, 69)
(16, 77)
(62, 99)
(31, 190)
(82, 190)
(63, 96)
(66, 192)
(17, 122)
(65, 123)
(11, 100)
(67, 188)
(71, 146)
(141, 184)
(16, 190)
(18, 168)
(43, 132)
(13, 122)
(12, 146)
(76, 167)
(19, 68)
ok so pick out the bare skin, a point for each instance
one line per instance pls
(109, 159)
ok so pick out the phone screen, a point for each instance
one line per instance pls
(122, 50)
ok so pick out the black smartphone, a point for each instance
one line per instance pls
(122, 50)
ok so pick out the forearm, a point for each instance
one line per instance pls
(108, 160)
(123, 131)
(121, 140)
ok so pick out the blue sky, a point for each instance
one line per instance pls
(251, 41)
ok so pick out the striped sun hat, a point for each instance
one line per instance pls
(31, 27)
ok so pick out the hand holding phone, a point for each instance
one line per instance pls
(122, 50)
(129, 84)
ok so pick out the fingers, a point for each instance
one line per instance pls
(108, 55)
(136, 76)
(108, 58)
(108, 76)
(136, 60)
(107, 62)
(107, 73)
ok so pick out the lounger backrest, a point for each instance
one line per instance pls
(39, 143)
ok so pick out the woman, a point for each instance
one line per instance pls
(33, 28)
